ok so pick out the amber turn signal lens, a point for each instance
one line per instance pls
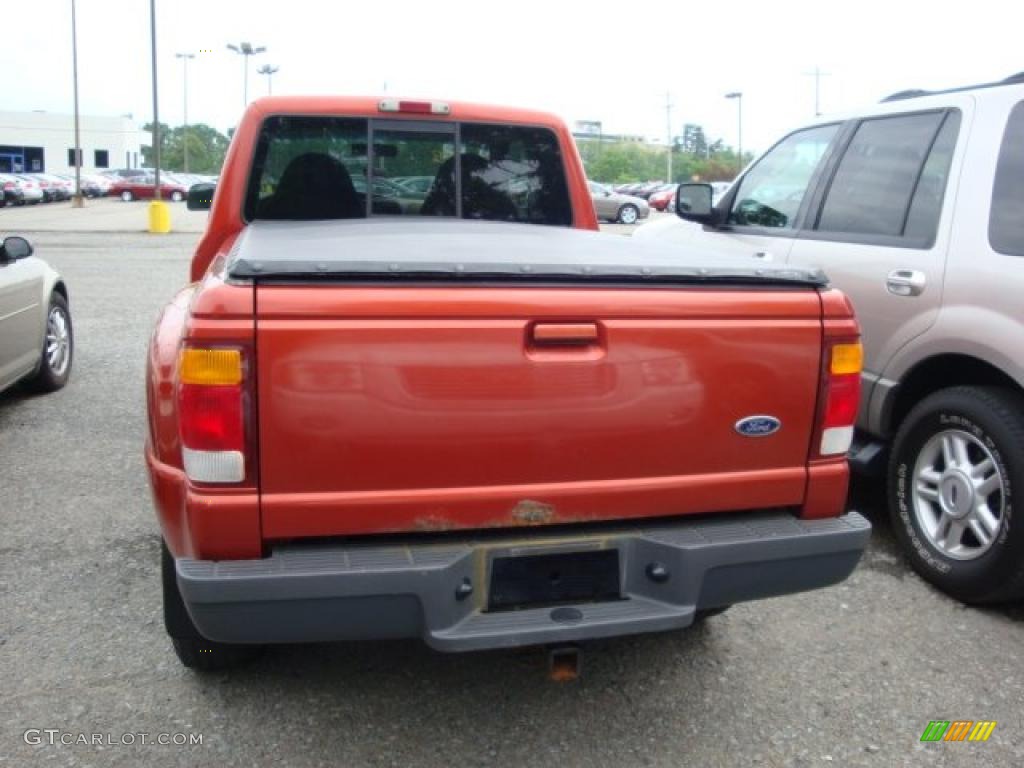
(211, 367)
(847, 358)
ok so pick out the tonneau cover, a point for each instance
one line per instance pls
(446, 249)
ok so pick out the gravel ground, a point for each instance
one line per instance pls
(845, 676)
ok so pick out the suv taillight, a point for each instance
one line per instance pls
(840, 397)
(211, 413)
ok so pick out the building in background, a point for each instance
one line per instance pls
(32, 142)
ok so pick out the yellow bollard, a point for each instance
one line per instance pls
(159, 217)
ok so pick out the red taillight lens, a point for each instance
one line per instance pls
(840, 397)
(843, 400)
(211, 417)
(211, 414)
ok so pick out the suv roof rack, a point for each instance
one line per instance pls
(915, 93)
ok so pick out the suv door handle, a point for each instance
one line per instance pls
(764, 256)
(906, 282)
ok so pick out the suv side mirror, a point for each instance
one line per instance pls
(200, 196)
(694, 203)
(15, 248)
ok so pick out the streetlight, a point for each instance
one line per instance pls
(245, 50)
(184, 131)
(269, 71)
(738, 95)
(76, 201)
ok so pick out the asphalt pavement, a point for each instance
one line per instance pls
(848, 676)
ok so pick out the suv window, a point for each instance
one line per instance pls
(771, 192)
(871, 191)
(309, 167)
(1006, 219)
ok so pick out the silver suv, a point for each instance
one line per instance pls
(915, 209)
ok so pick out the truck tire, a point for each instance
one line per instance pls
(194, 650)
(956, 461)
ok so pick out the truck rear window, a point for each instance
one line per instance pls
(316, 168)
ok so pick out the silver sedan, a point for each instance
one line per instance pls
(36, 341)
(611, 206)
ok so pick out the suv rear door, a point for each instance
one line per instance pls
(880, 226)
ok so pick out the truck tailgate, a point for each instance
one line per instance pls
(404, 408)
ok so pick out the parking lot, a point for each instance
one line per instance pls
(849, 675)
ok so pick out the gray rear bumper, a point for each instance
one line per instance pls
(305, 593)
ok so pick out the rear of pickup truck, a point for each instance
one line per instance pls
(492, 435)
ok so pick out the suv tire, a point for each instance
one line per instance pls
(956, 460)
(192, 649)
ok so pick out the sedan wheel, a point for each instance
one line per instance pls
(628, 214)
(127, 196)
(58, 348)
(177, 196)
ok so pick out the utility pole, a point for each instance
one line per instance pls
(817, 74)
(184, 131)
(668, 134)
(76, 201)
(269, 71)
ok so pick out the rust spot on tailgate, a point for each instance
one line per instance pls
(529, 512)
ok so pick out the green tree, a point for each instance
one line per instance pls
(206, 148)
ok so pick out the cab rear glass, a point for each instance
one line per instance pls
(323, 168)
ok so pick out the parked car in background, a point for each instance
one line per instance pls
(30, 187)
(417, 186)
(12, 193)
(144, 188)
(116, 174)
(915, 209)
(660, 198)
(611, 206)
(53, 187)
(36, 340)
(91, 186)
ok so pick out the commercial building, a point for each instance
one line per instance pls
(44, 141)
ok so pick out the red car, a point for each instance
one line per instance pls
(660, 199)
(144, 188)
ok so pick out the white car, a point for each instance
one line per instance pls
(36, 340)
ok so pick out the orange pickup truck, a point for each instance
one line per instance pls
(411, 393)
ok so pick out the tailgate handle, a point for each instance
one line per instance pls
(565, 333)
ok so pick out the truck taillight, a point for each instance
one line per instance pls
(211, 414)
(840, 397)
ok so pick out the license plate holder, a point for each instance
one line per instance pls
(553, 578)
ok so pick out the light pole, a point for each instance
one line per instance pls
(738, 95)
(159, 213)
(184, 131)
(269, 71)
(245, 50)
(76, 201)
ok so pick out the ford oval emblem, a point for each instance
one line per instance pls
(758, 426)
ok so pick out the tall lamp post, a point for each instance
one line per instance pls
(738, 95)
(184, 131)
(76, 201)
(269, 71)
(245, 50)
(159, 213)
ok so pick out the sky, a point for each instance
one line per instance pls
(616, 62)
